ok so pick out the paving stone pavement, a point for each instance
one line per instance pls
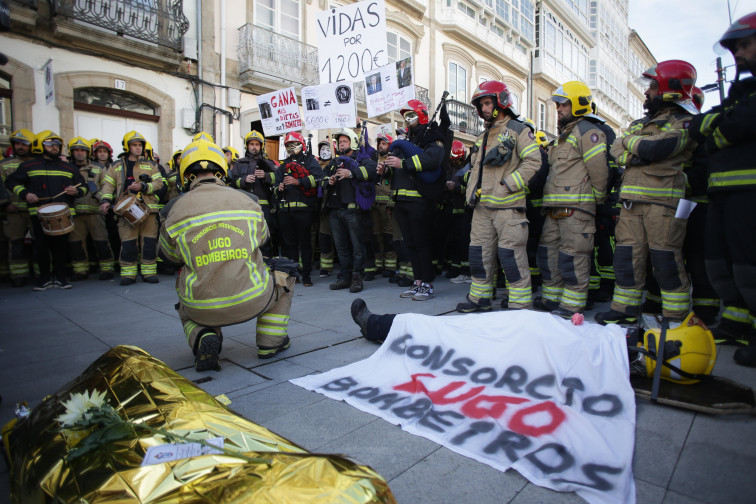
(48, 338)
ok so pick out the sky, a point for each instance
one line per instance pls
(688, 30)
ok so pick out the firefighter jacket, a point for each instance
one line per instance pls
(115, 183)
(406, 184)
(8, 166)
(306, 169)
(90, 203)
(46, 178)
(730, 135)
(383, 185)
(343, 193)
(502, 185)
(653, 152)
(172, 182)
(579, 168)
(215, 233)
(262, 188)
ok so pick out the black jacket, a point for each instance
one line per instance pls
(45, 178)
(305, 195)
(342, 193)
(247, 165)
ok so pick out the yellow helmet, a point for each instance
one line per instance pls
(148, 151)
(172, 161)
(354, 141)
(42, 137)
(542, 139)
(254, 135)
(202, 156)
(22, 136)
(689, 347)
(578, 94)
(133, 136)
(203, 135)
(529, 123)
(79, 143)
(234, 153)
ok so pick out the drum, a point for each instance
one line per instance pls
(132, 209)
(55, 219)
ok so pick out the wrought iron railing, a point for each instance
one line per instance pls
(282, 58)
(464, 117)
(161, 22)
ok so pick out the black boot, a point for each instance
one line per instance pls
(360, 315)
(340, 283)
(356, 283)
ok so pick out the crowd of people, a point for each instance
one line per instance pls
(588, 217)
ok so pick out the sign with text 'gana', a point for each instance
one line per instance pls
(329, 106)
(279, 112)
(351, 41)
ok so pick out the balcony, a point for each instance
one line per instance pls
(160, 22)
(268, 61)
(464, 118)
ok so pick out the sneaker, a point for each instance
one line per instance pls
(460, 279)
(306, 281)
(472, 307)
(410, 292)
(43, 285)
(153, 279)
(270, 352)
(61, 284)
(424, 293)
(614, 317)
(128, 281)
(324, 273)
(208, 349)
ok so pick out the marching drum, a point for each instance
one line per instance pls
(132, 209)
(55, 219)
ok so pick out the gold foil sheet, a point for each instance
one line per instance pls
(144, 390)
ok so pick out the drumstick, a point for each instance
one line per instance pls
(60, 193)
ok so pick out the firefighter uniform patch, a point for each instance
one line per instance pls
(594, 137)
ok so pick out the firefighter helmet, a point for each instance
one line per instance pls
(296, 138)
(102, 144)
(44, 136)
(743, 27)
(79, 143)
(172, 162)
(202, 156)
(578, 94)
(254, 135)
(494, 89)
(133, 136)
(148, 153)
(529, 123)
(353, 140)
(458, 151)
(22, 136)
(385, 137)
(689, 347)
(698, 97)
(234, 153)
(418, 108)
(206, 136)
(675, 78)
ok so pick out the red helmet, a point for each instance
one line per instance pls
(676, 79)
(743, 27)
(698, 97)
(417, 107)
(494, 89)
(458, 151)
(295, 136)
(385, 137)
(102, 144)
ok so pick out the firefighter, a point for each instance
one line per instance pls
(297, 193)
(134, 174)
(325, 237)
(381, 214)
(461, 216)
(505, 157)
(89, 221)
(576, 184)
(232, 156)
(214, 233)
(41, 180)
(653, 152)
(16, 214)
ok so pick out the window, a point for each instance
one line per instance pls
(280, 16)
(463, 7)
(457, 82)
(563, 55)
(399, 47)
(541, 116)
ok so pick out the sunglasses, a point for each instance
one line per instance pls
(410, 117)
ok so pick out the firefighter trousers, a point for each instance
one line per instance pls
(16, 226)
(89, 225)
(503, 234)
(646, 232)
(135, 239)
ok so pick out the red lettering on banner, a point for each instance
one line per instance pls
(414, 386)
(439, 397)
(475, 409)
(518, 425)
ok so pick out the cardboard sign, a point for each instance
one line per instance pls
(329, 106)
(279, 112)
(351, 41)
(389, 87)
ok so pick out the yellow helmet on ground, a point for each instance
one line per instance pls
(133, 136)
(79, 143)
(22, 136)
(578, 94)
(205, 136)
(234, 153)
(542, 139)
(254, 135)
(353, 139)
(689, 347)
(43, 137)
(202, 156)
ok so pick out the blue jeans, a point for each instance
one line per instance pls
(347, 237)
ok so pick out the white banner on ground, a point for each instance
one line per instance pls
(329, 106)
(520, 389)
(279, 112)
(389, 87)
(351, 40)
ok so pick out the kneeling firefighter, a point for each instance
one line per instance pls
(215, 233)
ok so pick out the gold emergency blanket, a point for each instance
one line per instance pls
(143, 389)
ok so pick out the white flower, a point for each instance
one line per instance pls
(78, 405)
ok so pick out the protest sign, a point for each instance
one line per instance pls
(522, 390)
(389, 87)
(351, 40)
(329, 106)
(279, 112)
